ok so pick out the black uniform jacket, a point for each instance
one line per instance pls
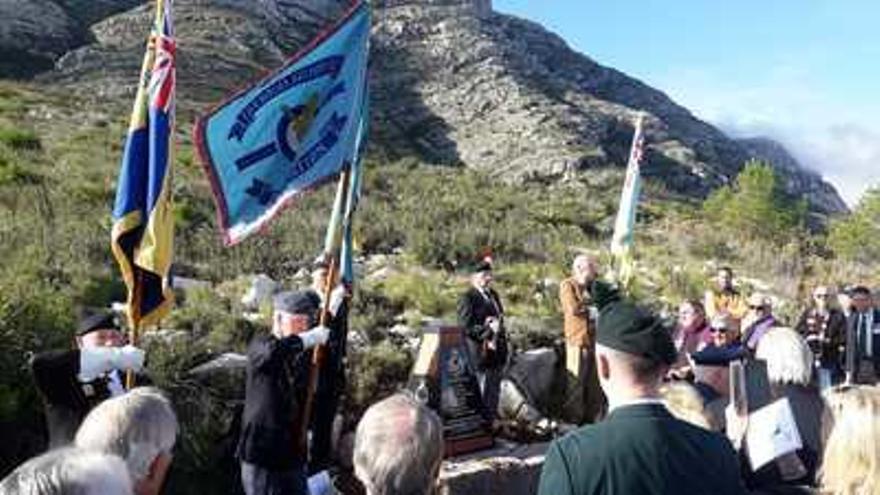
(67, 399)
(277, 377)
(473, 309)
(641, 449)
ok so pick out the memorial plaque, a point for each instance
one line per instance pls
(444, 378)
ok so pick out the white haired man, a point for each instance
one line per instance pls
(272, 462)
(140, 427)
(585, 400)
(69, 471)
(640, 447)
(398, 447)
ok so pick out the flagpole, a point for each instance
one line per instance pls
(319, 353)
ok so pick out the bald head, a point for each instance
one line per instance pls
(584, 268)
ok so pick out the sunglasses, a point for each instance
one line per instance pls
(756, 307)
(717, 330)
(823, 296)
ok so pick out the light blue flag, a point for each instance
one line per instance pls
(289, 133)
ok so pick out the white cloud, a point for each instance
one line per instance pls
(839, 142)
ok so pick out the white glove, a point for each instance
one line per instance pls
(494, 325)
(314, 337)
(337, 295)
(95, 361)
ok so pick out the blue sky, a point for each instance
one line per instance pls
(805, 72)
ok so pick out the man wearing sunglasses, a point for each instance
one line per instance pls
(824, 329)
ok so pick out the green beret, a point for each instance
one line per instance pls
(628, 328)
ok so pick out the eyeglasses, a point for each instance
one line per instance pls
(823, 296)
(717, 330)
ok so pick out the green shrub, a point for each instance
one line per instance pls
(20, 139)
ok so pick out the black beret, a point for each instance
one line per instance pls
(718, 356)
(97, 320)
(628, 328)
(297, 303)
(483, 266)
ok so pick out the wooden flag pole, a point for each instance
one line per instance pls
(319, 353)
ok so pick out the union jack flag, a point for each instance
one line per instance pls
(143, 225)
(624, 226)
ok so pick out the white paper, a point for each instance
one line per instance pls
(772, 432)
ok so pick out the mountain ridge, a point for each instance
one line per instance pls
(453, 83)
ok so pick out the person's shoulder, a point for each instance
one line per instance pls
(581, 441)
(711, 440)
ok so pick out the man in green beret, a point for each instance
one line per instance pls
(640, 447)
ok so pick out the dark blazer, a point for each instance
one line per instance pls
(67, 399)
(853, 341)
(641, 449)
(277, 378)
(473, 309)
(828, 350)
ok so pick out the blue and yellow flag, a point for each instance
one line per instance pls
(624, 226)
(290, 132)
(143, 226)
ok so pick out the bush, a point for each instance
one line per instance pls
(854, 238)
(757, 207)
(19, 139)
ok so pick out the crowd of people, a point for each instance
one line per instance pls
(692, 410)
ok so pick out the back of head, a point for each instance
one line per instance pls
(69, 471)
(851, 463)
(398, 447)
(137, 426)
(788, 357)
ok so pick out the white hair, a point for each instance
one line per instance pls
(69, 471)
(788, 356)
(137, 426)
(398, 447)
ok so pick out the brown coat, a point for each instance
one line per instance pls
(576, 315)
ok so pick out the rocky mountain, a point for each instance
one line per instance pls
(452, 81)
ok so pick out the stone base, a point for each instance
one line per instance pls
(507, 469)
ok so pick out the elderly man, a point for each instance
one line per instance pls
(584, 399)
(640, 447)
(824, 329)
(275, 392)
(69, 471)
(398, 447)
(863, 339)
(72, 382)
(140, 427)
(481, 315)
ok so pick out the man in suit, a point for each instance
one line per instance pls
(863, 339)
(481, 315)
(74, 381)
(275, 392)
(639, 447)
(584, 398)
